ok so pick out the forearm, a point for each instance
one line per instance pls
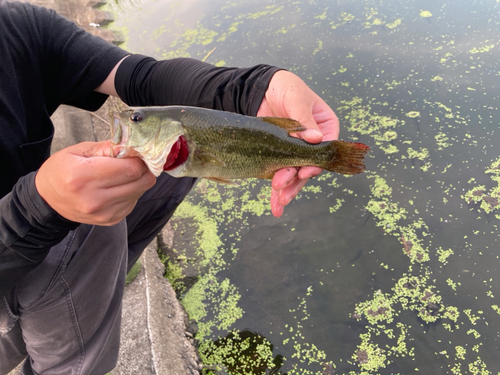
(142, 81)
(28, 229)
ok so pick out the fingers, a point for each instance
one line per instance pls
(306, 173)
(281, 198)
(283, 177)
(326, 119)
(108, 171)
(289, 96)
(286, 185)
(84, 184)
(276, 207)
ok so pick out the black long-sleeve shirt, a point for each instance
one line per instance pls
(46, 61)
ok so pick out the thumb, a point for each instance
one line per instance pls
(303, 114)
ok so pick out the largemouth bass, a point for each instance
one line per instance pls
(198, 142)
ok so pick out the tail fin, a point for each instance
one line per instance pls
(347, 157)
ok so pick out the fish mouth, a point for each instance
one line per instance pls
(178, 154)
(119, 132)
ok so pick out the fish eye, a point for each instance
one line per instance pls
(136, 117)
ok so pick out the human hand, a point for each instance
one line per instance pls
(84, 184)
(289, 96)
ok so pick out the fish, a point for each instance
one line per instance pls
(223, 146)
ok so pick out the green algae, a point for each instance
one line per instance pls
(442, 141)
(197, 36)
(243, 352)
(444, 255)
(303, 351)
(173, 273)
(413, 114)
(394, 24)
(369, 355)
(337, 206)
(377, 310)
(488, 199)
(343, 19)
(210, 296)
(270, 9)
(231, 30)
(486, 47)
(134, 271)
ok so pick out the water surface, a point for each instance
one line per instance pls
(392, 271)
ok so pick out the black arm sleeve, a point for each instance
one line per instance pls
(142, 81)
(29, 229)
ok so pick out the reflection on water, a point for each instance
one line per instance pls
(391, 271)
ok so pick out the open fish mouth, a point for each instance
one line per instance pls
(178, 154)
(161, 147)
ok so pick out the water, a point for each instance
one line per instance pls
(392, 271)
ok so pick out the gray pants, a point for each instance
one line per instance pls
(64, 317)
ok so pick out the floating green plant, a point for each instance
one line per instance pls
(394, 24)
(489, 200)
(413, 114)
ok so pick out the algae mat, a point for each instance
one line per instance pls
(389, 272)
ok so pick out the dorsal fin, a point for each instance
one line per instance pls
(291, 126)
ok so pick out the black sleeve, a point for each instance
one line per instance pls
(29, 228)
(142, 81)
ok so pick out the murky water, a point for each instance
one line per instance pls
(391, 271)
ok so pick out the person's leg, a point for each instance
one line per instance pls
(153, 211)
(70, 306)
(12, 348)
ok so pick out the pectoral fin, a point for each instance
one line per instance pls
(291, 126)
(208, 158)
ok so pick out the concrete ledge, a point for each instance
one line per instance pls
(154, 325)
(172, 345)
